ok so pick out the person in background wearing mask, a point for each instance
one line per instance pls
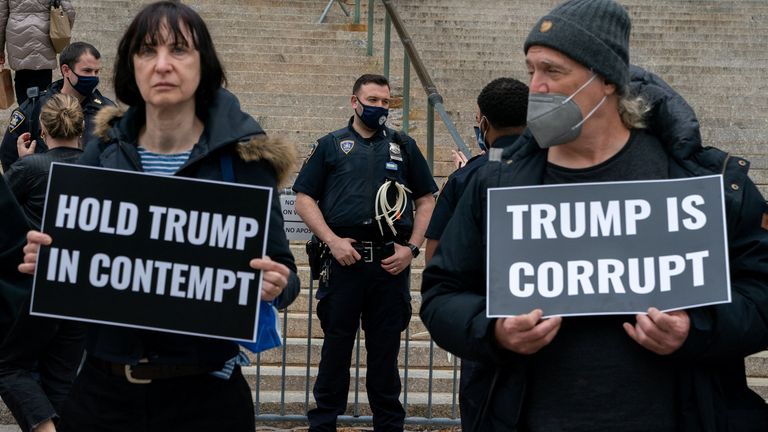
(500, 116)
(592, 118)
(501, 111)
(357, 192)
(80, 64)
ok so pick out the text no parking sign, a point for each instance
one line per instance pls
(155, 252)
(607, 248)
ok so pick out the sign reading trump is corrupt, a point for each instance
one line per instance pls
(155, 252)
(607, 248)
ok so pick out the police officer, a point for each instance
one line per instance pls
(80, 66)
(357, 192)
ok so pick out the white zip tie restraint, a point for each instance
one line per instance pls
(390, 213)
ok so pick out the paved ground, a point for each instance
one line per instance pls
(14, 428)
(408, 428)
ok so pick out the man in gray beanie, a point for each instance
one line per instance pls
(657, 371)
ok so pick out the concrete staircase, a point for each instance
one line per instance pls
(712, 52)
(295, 76)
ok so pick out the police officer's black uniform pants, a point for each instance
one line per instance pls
(363, 290)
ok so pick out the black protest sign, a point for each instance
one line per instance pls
(155, 252)
(607, 248)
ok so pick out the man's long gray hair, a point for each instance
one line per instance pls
(632, 109)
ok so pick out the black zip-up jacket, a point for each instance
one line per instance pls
(711, 386)
(256, 160)
(28, 179)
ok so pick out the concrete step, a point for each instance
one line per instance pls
(298, 326)
(443, 405)
(418, 353)
(271, 378)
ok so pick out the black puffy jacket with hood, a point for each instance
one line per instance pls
(256, 160)
(711, 385)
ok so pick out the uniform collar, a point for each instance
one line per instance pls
(93, 99)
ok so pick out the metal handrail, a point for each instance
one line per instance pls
(434, 98)
(343, 8)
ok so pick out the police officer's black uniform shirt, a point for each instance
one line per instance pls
(345, 170)
(454, 188)
(26, 118)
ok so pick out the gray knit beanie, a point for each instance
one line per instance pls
(595, 33)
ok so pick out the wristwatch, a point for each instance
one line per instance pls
(415, 251)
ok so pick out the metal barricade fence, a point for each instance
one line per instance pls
(416, 413)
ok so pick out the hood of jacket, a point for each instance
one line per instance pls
(225, 124)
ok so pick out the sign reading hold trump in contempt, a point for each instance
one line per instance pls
(155, 252)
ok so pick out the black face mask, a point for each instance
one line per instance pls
(85, 84)
(373, 117)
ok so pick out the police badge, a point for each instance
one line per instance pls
(394, 152)
(17, 118)
(346, 146)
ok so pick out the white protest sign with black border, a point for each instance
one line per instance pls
(152, 252)
(607, 248)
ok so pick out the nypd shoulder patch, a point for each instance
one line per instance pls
(17, 118)
(346, 146)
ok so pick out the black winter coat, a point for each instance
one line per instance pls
(712, 389)
(15, 287)
(28, 179)
(256, 160)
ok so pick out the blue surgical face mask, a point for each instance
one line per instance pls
(480, 139)
(373, 117)
(480, 136)
(555, 119)
(85, 84)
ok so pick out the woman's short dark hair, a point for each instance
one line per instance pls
(145, 29)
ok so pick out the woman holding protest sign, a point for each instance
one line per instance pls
(181, 121)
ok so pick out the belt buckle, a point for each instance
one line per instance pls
(368, 248)
(129, 374)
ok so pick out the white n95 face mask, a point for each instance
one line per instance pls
(555, 119)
